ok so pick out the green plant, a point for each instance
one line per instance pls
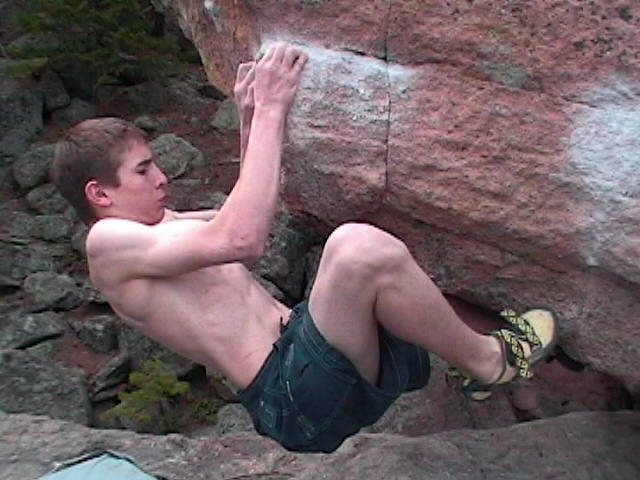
(206, 409)
(120, 40)
(26, 68)
(152, 403)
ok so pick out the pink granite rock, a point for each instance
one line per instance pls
(499, 139)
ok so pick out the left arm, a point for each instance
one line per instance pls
(205, 215)
(243, 93)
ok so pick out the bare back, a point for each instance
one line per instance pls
(218, 316)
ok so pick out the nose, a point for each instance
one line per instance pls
(160, 179)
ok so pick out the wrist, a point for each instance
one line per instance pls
(269, 111)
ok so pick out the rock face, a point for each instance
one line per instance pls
(33, 384)
(499, 139)
(580, 446)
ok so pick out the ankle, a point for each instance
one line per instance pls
(494, 366)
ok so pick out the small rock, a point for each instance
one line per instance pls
(21, 329)
(53, 228)
(90, 293)
(32, 168)
(36, 385)
(100, 332)
(79, 238)
(47, 200)
(175, 156)
(148, 124)
(232, 418)
(77, 111)
(55, 95)
(19, 261)
(226, 117)
(141, 348)
(49, 290)
(116, 371)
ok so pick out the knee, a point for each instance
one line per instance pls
(364, 249)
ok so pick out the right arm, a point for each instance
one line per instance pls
(250, 207)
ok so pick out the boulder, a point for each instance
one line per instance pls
(8, 29)
(77, 111)
(226, 117)
(34, 384)
(283, 261)
(112, 373)
(232, 418)
(46, 199)
(78, 77)
(183, 94)
(498, 140)
(16, 226)
(32, 168)
(20, 118)
(53, 228)
(17, 261)
(175, 156)
(55, 95)
(19, 329)
(50, 290)
(140, 348)
(148, 123)
(99, 332)
(579, 445)
(90, 293)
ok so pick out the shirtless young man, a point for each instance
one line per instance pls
(338, 361)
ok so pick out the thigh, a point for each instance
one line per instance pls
(341, 305)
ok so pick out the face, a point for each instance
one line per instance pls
(142, 193)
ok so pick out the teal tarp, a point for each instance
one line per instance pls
(101, 466)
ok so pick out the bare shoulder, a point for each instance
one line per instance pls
(125, 249)
(110, 234)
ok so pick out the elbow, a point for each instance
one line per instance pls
(249, 249)
(254, 252)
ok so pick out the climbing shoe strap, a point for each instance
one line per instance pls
(515, 352)
(521, 327)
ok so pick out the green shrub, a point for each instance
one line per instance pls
(120, 40)
(206, 409)
(152, 403)
(25, 68)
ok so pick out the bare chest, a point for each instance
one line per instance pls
(207, 294)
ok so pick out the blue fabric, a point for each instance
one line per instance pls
(309, 397)
(102, 467)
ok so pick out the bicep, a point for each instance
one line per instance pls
(197, 215)
(129, 249)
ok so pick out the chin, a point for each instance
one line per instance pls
(155, 221)
(152, 219)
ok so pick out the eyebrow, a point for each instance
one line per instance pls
(144, 163)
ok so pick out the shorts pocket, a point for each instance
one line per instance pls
(267, 419)
(317, 394)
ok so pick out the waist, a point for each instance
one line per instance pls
(250, 388)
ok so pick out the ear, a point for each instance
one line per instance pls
(96, 194)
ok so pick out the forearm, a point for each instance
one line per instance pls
(245, 130)
(250, 207)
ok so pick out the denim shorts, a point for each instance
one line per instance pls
(309, 397)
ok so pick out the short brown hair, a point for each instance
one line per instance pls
(91, 150)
